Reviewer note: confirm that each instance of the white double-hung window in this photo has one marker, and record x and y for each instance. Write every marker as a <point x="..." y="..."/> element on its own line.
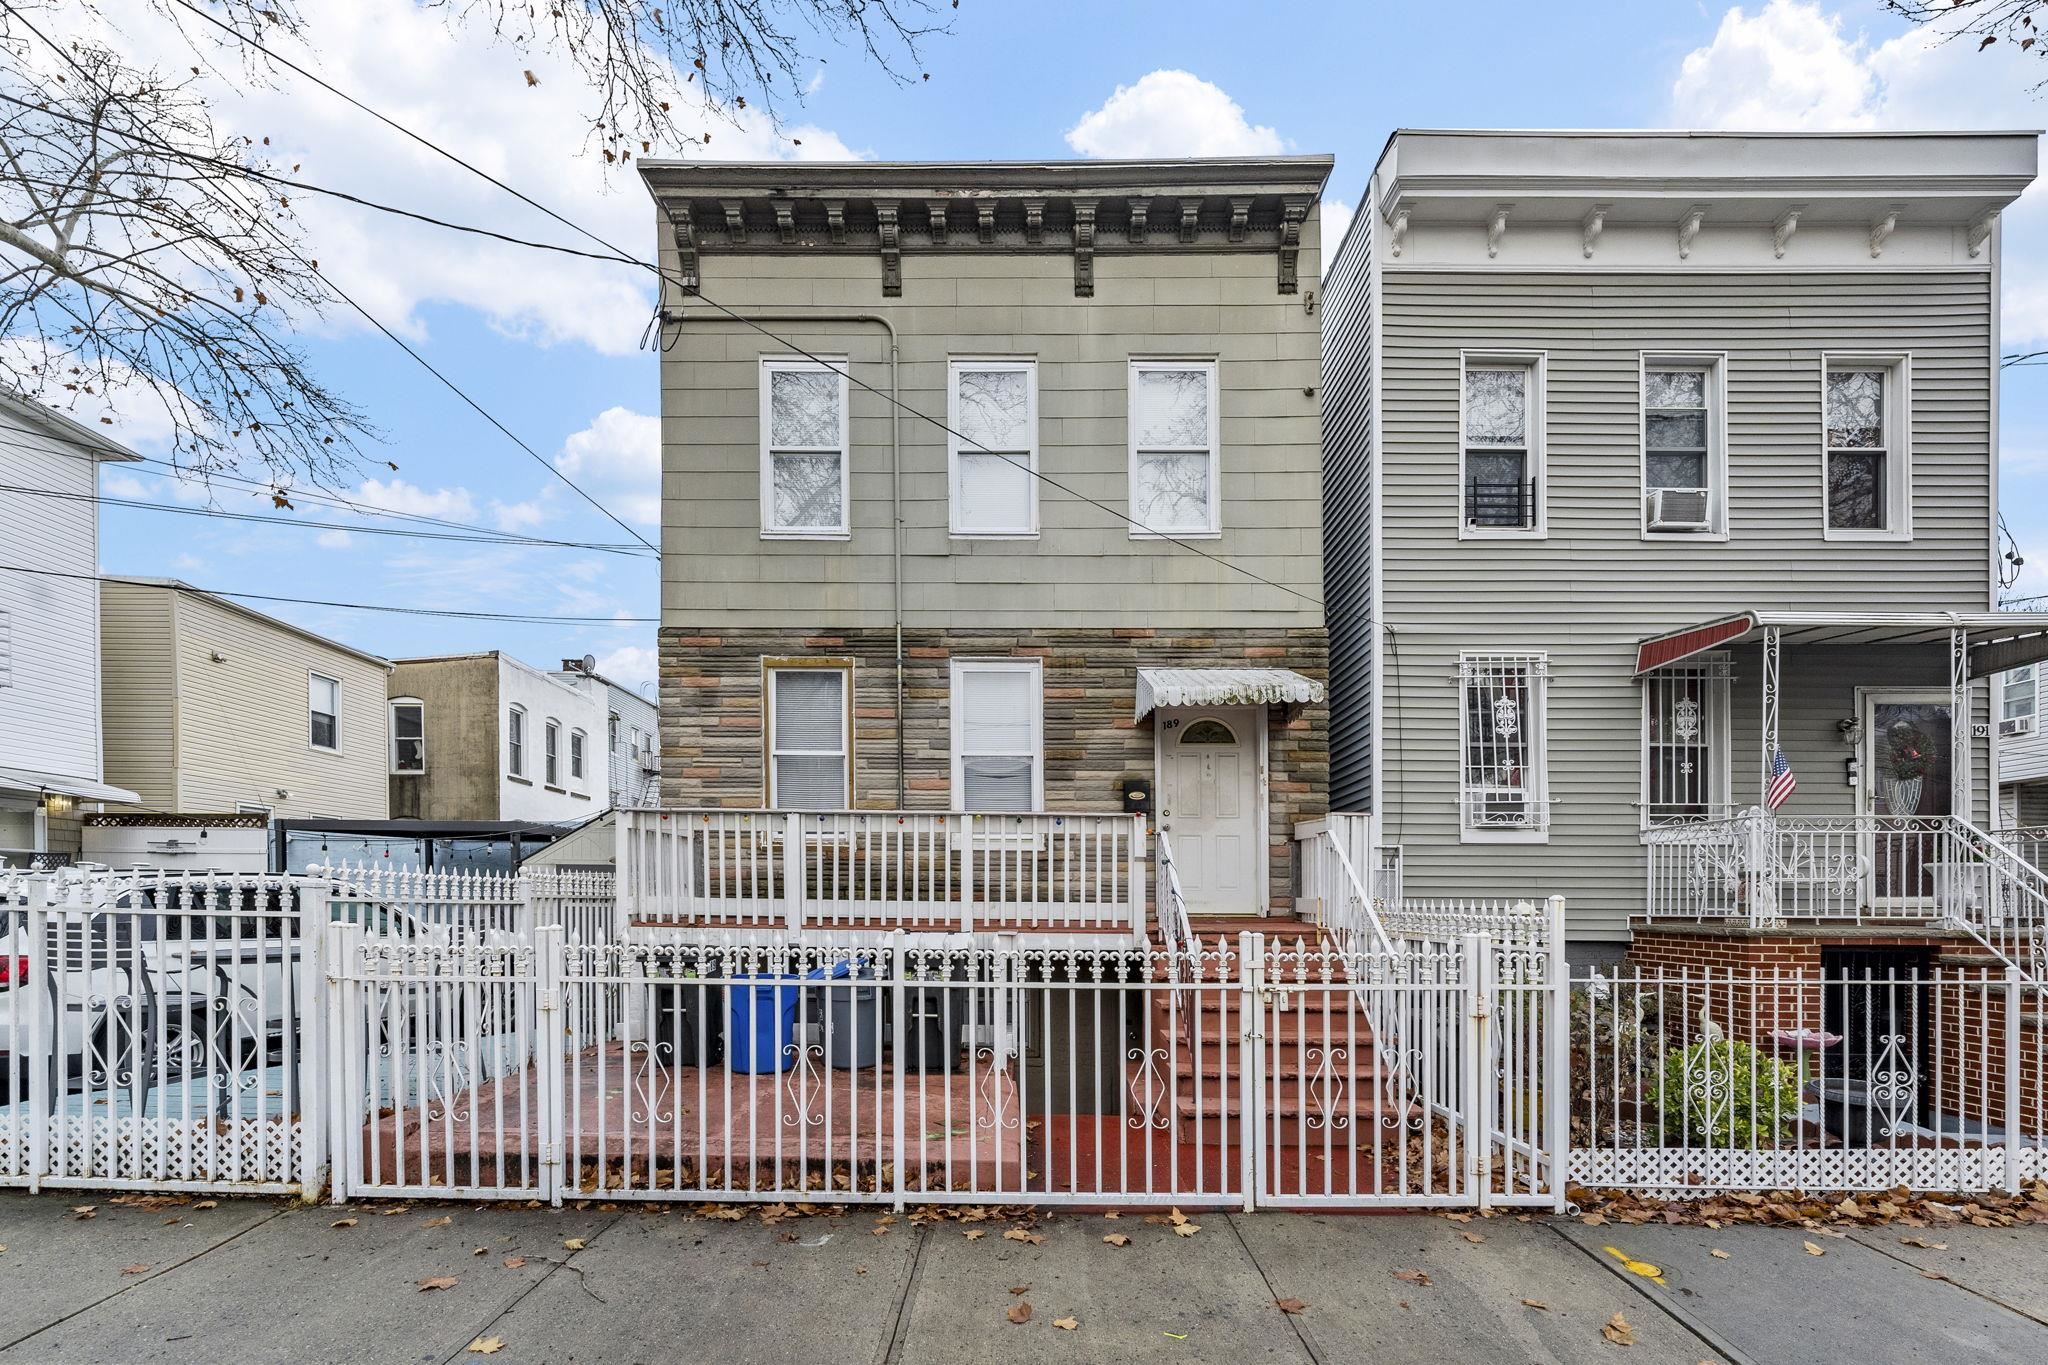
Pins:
<point x="1503" y="790"/>
<point x="810" y="736"/>
<point x="408" y="735"/>
<point x="1684" y="460"/>
<point x="805" y="484"/>
<point x="323" y="707"/>
<point x="2019" y="701"/>
<point x="1176" y="466"/>
<point x="1866" y="411"/>
<point x="998" y="735"/>
<point x="992" y="410"/>
<point x="1500" y="451"/>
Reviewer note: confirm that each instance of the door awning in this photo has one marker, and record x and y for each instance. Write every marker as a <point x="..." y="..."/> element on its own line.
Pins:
<point x="1998" y="640"/>
<point x="1159" y="687"/>
<point x="84" y="788"/>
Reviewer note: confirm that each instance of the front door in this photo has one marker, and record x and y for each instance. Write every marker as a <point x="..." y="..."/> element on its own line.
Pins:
<point x="1209" y="807"/>
<point x="1908" y="759"/>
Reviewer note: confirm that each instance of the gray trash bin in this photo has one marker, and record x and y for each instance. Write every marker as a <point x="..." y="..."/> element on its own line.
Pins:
<point x="852" y="1016"/>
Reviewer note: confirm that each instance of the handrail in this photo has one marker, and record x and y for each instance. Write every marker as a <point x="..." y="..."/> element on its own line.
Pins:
<point x="1174" y="919"/>
<point x="1360" y="895"/>
<point x="2022" y="922"/>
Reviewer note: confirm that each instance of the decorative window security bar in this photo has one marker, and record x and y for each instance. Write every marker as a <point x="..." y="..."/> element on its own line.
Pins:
<point x="1503" y="784"/>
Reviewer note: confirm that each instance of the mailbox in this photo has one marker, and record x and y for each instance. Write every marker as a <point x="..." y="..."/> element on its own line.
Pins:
<point x="1137" y="794"/>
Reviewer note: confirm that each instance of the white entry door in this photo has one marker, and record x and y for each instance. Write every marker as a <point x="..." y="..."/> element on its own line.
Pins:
<point x="1209" y="806"/>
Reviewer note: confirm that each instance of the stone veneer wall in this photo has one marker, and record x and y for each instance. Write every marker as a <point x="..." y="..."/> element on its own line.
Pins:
<point x="711" y="718"/>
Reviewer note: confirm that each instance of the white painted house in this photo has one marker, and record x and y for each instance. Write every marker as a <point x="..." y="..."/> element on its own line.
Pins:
<point x="50" y="732"/>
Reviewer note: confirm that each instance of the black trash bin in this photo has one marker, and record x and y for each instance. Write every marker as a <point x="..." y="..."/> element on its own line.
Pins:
<point x="934" y="1017"/>
<point x="690" y="1017"/>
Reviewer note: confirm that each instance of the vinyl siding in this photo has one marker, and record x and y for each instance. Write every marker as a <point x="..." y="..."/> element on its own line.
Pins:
<point x="2024" y="759"/>
<point x="49" y="626"/>
<point x="1594" y="587"/>
<point x="138" y="691"/>
<point x="1348" y="394"/>
<point x="1084" y="569"/>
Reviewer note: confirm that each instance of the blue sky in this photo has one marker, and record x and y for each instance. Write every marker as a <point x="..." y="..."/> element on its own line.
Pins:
<point x="549" y="345"/>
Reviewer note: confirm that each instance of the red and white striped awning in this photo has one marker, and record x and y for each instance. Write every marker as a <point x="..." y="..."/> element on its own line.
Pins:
<point x="1998" y="640"/>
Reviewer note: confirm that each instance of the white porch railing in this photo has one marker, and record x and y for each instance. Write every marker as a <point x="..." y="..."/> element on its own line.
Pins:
<point x="1176" y="923"/>
<point x="1335" y="885"/>
<point x="881" y="870"/>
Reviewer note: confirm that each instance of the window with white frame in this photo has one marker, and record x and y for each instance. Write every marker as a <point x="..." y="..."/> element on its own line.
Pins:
<point x="408" y="735"/>
<point x="998" y="735"/>
<point x="1176" y="466"/>
<point x="577" y="741"/>
<point x="1683" y="460"/>
<point x="1685" y="741"/>
<point x="1502" y="785"/>
<point x="804" y="477"/>
<point x="993" y="414"/>
<point x="551" y="752"/>
<point x="323" y="704"/>
<point x="515" y="741"/>
<point x="1500" y="453"/>
<point x="810" y="736"/>
<point x="611" y="733"/>
<point x="1868" y="465"/>
<point x="2019" y="699"/>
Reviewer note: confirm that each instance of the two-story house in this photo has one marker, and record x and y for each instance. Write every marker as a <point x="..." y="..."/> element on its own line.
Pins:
<point x="632" y="734"/>
<point x="1661" y="486"/>
<point x="222" y="719"/>
<point x="2022" y="756"/>
<point x="50" y="760"/>
<point x="991" y="495"/>
<point x="485" y="737"/>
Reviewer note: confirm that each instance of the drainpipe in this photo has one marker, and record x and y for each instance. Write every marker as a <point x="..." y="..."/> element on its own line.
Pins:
<point x="895" y="486"/>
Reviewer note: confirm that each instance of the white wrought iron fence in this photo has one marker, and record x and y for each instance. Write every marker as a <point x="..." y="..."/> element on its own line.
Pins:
<point x="1731" y="1079"/>
<point x="707" y="869"/>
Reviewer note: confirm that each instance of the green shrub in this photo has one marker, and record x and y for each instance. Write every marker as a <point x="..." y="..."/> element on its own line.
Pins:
<point x="1725" y="1093"/>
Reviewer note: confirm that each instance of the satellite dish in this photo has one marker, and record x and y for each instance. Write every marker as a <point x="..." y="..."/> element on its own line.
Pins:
<point x="590" y="663"/>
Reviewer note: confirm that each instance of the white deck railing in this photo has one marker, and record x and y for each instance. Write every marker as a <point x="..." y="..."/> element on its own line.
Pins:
<point x="881" y="870"/>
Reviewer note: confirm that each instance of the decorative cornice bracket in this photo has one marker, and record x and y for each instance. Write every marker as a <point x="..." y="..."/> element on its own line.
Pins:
<point x="1141" y="209"/>
<point x="835" y="219"/>
<point x="1689" y="229"/>
<point x="1497" y="228"/>
<point x="1782" y="230"/>
<point x="685" y="229"/>
<point x="1591" y="226"/>
<point x="1293" y="213"/>
<point x="735" y="220"/>
<point x="785" y="220"/>
<point x="985" y="221"/>
<point x="1034" y="221"/>
<point x="892" y="250"/>
<point x="1882" y="229"/>
<point x="1084" y="248"/>
<point x="936" y="211"/>
<point x="1190" y="211"/>
<point x="1240" y="217"/>
<point x="1980" y="232"/>
<point x="1397" y="227"/>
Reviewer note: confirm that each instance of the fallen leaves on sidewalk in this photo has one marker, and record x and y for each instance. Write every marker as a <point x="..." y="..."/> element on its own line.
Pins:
<point x="574" y="1244"/>
<point x="137" y="1269"/>
<point x="486" y="1346"/>
<point x="1066" y="1324"/>
<point x="443" y="1221"/>
<point x="974" y="1234"/>
<point x="1420" y="1277"/>
<point x="1718" y="1254"/>
<point x="1780" y="1208"/>
<point x="84" y="1211"/>
<point x="1813" y="1249"/>
<point x="1020" y="1313"/>
<point x="1536" y="1304"/>
<point x="515" y="1262"/>
<point x="1923" y="1244"/>
<point x="343" y="1223"/>
<point x="1020" y="1289"/>
<point x="1475" y="1238"/>
<point x="1617" y="1330"/>
<point x="433" y="1282"/>
<point x="1117" y="1239"/>
<point x="1183" y="1226"/>
<point x="1293" y="1306"/>
<point x="1023" y="1235"/>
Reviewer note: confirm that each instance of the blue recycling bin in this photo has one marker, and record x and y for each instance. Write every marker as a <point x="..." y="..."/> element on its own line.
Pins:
<point x="760" y="1030"/>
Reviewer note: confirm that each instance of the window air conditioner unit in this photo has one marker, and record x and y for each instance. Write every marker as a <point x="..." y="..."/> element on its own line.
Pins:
<point x="1680" y="509"/>
<point x="2016" y="726"/>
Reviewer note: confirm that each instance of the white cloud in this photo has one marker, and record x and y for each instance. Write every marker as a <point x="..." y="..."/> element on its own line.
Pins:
<point x="334" y="540"/>
<point x="617" y="460"/>
<point x="518" y="516"/>
<point x="1337" y="216"/>
<point x="468" y="95"/>
<point x="120" y="485"/>
<point x="396" y="495"/>
<point x="630" y="665"/>
<point x="1171" y="113"/>
<point x="189" y="563"/>
<point x="1793" y="64"/>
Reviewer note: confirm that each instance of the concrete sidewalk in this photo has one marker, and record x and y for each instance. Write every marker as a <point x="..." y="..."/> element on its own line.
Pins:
<point x="257" y="1281"/>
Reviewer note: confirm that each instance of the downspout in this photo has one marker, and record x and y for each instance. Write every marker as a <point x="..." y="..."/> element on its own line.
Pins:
<point x="895" y="489"/>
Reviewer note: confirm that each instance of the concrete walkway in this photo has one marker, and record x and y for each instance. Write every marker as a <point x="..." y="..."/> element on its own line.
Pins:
<point x="257" y="1281"/>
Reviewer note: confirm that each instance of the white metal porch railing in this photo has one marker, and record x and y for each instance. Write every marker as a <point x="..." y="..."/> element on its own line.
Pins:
<point x="706" y="869"/>
<point x="1176" y="922"/>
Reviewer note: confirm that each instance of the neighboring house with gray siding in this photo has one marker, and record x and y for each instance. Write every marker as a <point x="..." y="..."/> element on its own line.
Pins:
<point x="632" y="737"/>
<point x="1085" y="553"/>
<point x="50" y="751"/>
<point x="2022" y="752"/>
<point x="1651" y="457"/>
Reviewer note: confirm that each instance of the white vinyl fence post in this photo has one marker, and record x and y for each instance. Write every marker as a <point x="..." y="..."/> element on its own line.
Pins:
<point x="45" y="977"/>
<point x="1251" y="1021"/>
<point x="346" y="1108"/>
<point x="311" y="1000"/>
<point x="2013" y="1076"/>
<point x="548" y="1025"/>
<point x="899" y="968"/>
<point x="793" y="871"/>
<point x="1557" y="1059"/>
<point x="1479" y="979"/>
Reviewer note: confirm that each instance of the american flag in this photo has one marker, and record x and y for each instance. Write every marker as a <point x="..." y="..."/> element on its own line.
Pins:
<point x="1783" y="783"/>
